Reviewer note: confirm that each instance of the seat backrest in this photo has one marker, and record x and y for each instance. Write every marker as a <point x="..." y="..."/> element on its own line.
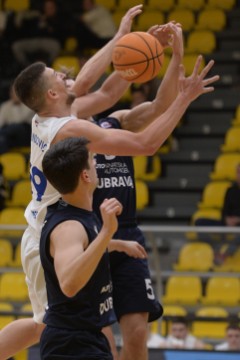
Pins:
<point x="13" y="287"/>
<point x="211" y="19"/>
<point x="207" y="213"/>
<point x="231" y="142"/>
<point x="6" y="252"/>
<point x="165" y="5"/>
<point x="14" y="166"/>
<point x="6" y="319"/>
<point x="213" y="194"/>
<point x="189" y="61"/>
<point x="191" y="257"/>
<point x="142" y="194"/>
<point x="12" y="216"/>
<point x="146" y="20"/>
<point x="201" y="41"/>
<point x="126" y="4"/>
<point x="225" y="167"/>
<point x="222" y="4"/>
<point x="193" y="5"/>
<point x="223" y="290"/>
<point x="184" y="289"/>
<point x="183" y="16"/>
<point x="210" y="329"/>
<point x="21" y="194"/>
<point x="109" y="4"/>
<point x="18" y="5"/>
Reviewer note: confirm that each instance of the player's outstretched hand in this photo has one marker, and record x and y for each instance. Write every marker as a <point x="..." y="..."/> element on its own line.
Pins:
<point x="126" y="22"/>
<point x="197" y="83"/>
<point x="134" y="249"/>
<point x="169" y="35"/>
<point x="110" y="209"/>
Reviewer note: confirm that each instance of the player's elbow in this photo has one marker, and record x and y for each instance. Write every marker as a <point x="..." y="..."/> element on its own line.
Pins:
<point x="149" y="149"/>
<point x="70" y="289"/>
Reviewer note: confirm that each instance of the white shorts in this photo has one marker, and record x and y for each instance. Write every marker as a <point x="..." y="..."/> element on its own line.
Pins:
<point x="34" y="273"/>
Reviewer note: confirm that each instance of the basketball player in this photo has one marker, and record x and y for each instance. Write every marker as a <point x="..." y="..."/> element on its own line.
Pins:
<point x="75" y="261"/>
<point x="46" y="92"/>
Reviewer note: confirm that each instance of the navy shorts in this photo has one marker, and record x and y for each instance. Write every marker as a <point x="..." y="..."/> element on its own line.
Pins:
<point x="132" y="286"/>
<point x="56" y="344"/>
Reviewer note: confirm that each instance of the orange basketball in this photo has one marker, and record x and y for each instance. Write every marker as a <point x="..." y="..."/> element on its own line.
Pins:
<point x="138" y="57"/>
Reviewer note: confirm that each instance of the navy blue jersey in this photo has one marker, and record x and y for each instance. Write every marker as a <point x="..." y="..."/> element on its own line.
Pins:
<point x="91" y="308"/>
<point x="116" y="179"/>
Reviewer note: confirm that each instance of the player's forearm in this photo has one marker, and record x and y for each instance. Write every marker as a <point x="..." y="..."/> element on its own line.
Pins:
<point x="83" y="267"/>
<point x="113" y="88"/>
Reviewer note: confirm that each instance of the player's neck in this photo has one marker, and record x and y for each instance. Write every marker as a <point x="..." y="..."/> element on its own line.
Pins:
<point x="55" y="111"/>
<point x="79" y="199"/>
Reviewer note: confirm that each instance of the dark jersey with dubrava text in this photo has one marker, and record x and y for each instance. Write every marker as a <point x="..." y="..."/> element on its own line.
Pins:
<point x="116" y="176"/>
<point x="92" y="307"/>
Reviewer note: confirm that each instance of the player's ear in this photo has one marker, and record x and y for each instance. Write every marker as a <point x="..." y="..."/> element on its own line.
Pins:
<point x="52" y="93"/>
<point x="85" y="176"/>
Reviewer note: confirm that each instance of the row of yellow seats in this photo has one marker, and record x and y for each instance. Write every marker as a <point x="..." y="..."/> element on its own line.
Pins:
<point x="188" y="290"/>
<point x="201" y="329"/>
<point x="210" y="19"/>
<point x="15" y="166"/>
<point x="10" y="255"/>
<point x="168" y="5"/>
<point x="13" y="287"/>
<point x="223" y="174"/>
<point x="191" y="257"/>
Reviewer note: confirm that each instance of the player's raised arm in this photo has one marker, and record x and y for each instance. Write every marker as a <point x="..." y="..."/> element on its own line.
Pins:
<point x="146" y="142"/>
<point x="96" y="66"/>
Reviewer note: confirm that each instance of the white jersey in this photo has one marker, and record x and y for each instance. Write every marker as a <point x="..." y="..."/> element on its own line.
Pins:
<point x="43" y="193"/>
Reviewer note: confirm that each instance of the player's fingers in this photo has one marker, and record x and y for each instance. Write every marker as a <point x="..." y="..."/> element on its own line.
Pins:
<point x="143" y="251"/>
<point x="206" y="69"/>
<point x="197" y="66"/>
<point x="135" y="10"/>
<point x="210" y="80"/>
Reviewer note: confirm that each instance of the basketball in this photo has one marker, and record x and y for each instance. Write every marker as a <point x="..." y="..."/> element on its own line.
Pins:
<point x="138" y="57"/>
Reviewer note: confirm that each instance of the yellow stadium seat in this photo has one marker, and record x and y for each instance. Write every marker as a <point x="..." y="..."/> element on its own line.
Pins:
<point x="16" y="261"/>
<point x="21" y="194"/>
<point x="164" y="67"/>
<point x="211" y="19"/>
<point x="184" y="16"/>
<point x="213" y="194"/>
<point x="18" y="5"/>
<point x="165" y="5"/>
<point x="6" y="252"/>
<point x="6" y="319"/>
<point x="210" y="329"/>
<point x="117" y="16"/>
<point x="225" y="167"/>
<point x="14" y="166"/>
<point x="148" y="19"/>
<point x="126" y="4"/>
<point x="108" y="4"/>
<point x="13" y="287"/>
<point x="201" y="42"/>
<point x="12" y="216"/>
<point x="236" y="120"/>
<point x="68" y="62"/>
<point x="70" y="45"/>
<point x="208" y="213"/>
<point x="195" y="257"/>
<point x="171" y="310"/>
<point x="141" y="165"/>
<point x="222" y="291"/>
<point x="232" y="142"/>
<point x="195" y="5"/>
<point x="183" y="290"/>
<point x="142" y="194"/>
<point x="26" y="310"/>
<point x="189" y="61"/>
<point x="222" y="4"/>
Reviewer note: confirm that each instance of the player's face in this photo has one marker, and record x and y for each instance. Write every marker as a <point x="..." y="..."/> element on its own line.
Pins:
<point x="58" y="82"/>
<point x="92" y="170"/>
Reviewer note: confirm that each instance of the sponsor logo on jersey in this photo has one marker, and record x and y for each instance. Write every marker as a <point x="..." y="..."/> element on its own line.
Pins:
<point x="106" y="305"/>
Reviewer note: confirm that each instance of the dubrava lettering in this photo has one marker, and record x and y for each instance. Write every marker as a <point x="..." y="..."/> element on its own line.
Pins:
<point x="40" y="143"/>
<point x="106" y="305"/>
<point x="121" y="181"/>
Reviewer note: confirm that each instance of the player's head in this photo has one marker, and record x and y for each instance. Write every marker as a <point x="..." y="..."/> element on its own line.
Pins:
<point x="38" y="86"/>
<point x="66" y="162"/>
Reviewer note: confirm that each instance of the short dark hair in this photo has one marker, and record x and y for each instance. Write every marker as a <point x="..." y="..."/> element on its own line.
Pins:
<point x="180" y="320"/>
<point x="64" y="161"/>
<point x="30" y="86"/>
<point x="233" y="326"/>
